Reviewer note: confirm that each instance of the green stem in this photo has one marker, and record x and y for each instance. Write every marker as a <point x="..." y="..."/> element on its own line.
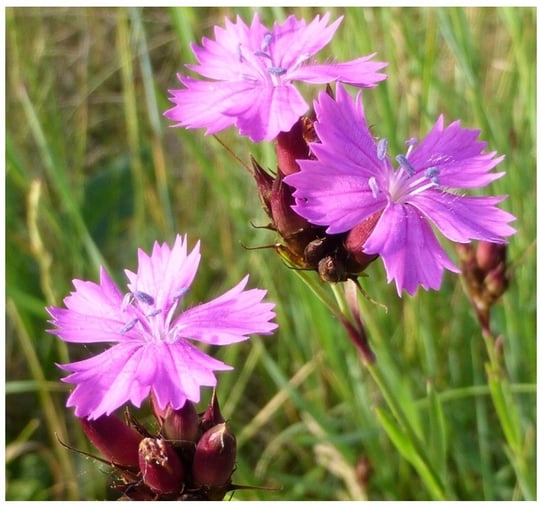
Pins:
<point x="434" y="482"/>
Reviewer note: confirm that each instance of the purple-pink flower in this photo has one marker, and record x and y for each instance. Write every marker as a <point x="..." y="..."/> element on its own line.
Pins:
<point x="152" y="337"/>
<point x="353" y="179"/>
<point x="250" y="71"/>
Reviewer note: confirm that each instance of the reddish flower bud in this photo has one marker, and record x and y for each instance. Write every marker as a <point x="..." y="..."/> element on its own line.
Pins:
<point x="293" y="145"/>
<point x="212" y="415"/>
<point x="214" y="458"/>
<point x="180" y="425"/>
<point x="486" y="277"/>
<point x="490" y="255"/>
<point x="117" y="442"/>
<point x="161" y="468"/>
<point x="357" y="237"/>
<point x="495" y="283"/>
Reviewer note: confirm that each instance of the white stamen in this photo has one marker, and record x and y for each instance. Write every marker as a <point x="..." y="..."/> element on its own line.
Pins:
<point x="373" y="184"/>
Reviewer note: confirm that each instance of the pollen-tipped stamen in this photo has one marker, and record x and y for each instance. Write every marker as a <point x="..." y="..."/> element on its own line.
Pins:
<point x="403" y="162"/>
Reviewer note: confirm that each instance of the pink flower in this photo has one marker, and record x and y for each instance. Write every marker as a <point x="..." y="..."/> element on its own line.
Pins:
<point x="152" y="337"/>
<point x="251" y="71"/>
<point x="354" y="180"/>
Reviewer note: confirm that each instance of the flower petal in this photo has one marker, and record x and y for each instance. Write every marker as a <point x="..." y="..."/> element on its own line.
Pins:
<point x="182" y="370"/>
<point x="93" y="313"/>
<point x="229" y="318"/>
<point x="462" y="218"/>
<point x="410" y="252"/>
<point x="167" y="273"/>
<point x="268" y="111"/>
<point x="457" y="154"/>
<point x="360" y="72"/>
<point x="108" y="380"/>
<point x="202" y="103"/>
<point x="293" y="41"/>
<point x="334" y="189"/>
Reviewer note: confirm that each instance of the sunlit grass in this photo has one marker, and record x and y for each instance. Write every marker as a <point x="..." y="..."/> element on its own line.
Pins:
<point x="94" y="171"/>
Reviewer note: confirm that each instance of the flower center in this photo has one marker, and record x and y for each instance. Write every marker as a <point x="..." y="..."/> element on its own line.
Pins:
<point x="406" y="181"/>
<point x="144" y="314"/>
<point x="261" y="62"/>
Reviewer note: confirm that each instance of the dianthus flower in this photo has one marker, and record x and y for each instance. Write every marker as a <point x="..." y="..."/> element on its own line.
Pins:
<point x="152" y="350"/>
<point x="251" y="71"/>
<point x="353" y="181"/>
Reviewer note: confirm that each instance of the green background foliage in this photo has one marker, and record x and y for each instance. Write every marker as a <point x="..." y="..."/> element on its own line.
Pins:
<point x="94" y="172"/>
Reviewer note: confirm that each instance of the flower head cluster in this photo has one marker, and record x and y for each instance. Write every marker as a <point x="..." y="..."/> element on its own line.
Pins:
<point x="250" y="72"/>
<point x="353" y="181"/>
<point x="153" y="352"/>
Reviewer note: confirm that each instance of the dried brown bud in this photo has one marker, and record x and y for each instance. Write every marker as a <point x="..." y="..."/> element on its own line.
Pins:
<point x="117" y="442"/>
<point x="161" y="467"/>
<point x="214" y="458"/>
<point x="330" y="270"/>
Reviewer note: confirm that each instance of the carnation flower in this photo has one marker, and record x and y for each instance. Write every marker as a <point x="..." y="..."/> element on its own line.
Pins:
<point x="251" y="70"/>
<point x="152" y="338"/>
<point x="353" y="180"/>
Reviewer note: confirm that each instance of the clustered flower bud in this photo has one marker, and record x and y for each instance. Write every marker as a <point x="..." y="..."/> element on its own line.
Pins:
<point x="335" y="257"/>
<point x="485" y="272"/>
<point x="486" y="276"/>
<point x="192" y="457"/>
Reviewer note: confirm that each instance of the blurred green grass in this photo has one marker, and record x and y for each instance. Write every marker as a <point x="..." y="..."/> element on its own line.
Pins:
<point x="93" y="172"/>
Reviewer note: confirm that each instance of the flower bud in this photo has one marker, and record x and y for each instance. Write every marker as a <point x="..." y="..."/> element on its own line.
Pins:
<point x="180" y="425"/>
<point x="495" y="283"/>
<point x="117" y="442"/>
<point x="212" y="415"/>
<point x="357" y="237"/>
<point x="214" y="458"/>
<point x="490" y="255"/>
<point x="293" y="145"/>
<point x="161" y="468"/>
<point x="485" y="272"/>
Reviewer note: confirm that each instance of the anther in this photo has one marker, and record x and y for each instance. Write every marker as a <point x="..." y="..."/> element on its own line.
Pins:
<point x="262" y="53"/>
<point x="382" y="148"/>
<point x="266" y="40"/>
<point x="128" y="326"/>
<point x="143" y="297"/>
<point x="277" y="71"/>
<point x="432" y="173"/>
<point x="403" y="162"/>
<point x="154" y="312"/>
